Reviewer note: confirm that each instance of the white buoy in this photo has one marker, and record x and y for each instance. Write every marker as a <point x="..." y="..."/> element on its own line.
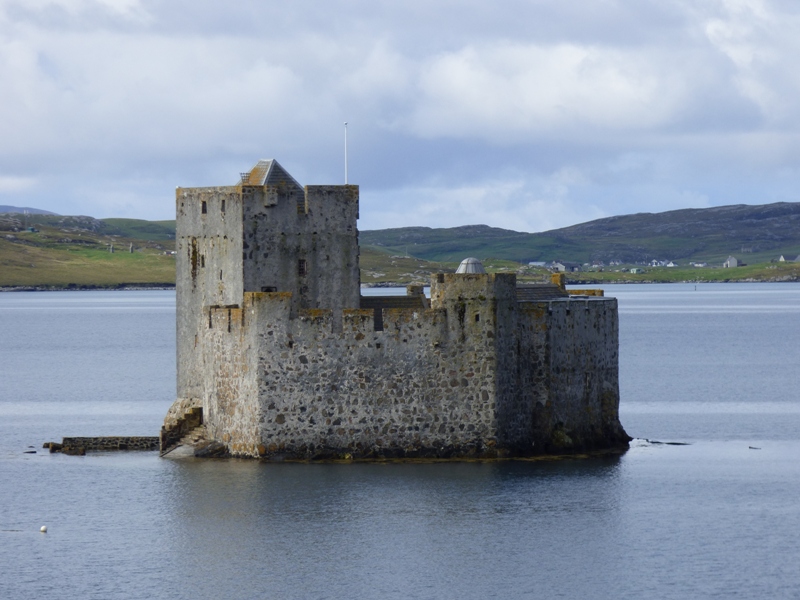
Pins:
<point x="43" y="529"/>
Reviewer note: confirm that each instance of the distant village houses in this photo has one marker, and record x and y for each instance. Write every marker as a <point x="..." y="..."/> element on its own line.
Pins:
<point x="658" y="263"/>
<point x="789" y="258"/>
<point x="662" y="263"/>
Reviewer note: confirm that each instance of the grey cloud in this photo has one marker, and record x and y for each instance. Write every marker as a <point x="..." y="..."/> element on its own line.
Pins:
<point x="567" y="111"/>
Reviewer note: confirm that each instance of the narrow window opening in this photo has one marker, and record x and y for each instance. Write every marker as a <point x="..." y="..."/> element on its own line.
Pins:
<point x="268" y="288"/>
<point x="223" y="206"/>
<point x="229" y="320"/>
<point x="302" y="268"/>
<point x="220" y="274"/>
<point x="477" y="318"/>
<point x="202" y="260"/>
<point x="378" y="317"/>
<point x="210" y="320"/>
<point x="204" y="207"/>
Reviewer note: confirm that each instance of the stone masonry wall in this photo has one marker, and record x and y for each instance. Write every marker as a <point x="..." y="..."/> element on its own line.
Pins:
<point x="574" y="389"/>
<point x="411" y="389"/>
<point x="482" y="310"/>
<point x="479" y="375"/>
<point x="230" y="359"/>
<point x="208" y="271"/>
<point x="315" y="226"/>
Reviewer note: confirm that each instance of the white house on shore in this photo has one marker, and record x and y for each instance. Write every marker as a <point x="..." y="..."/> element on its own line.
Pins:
<point x="730" y="263"/>
<point x="565" y="267"/>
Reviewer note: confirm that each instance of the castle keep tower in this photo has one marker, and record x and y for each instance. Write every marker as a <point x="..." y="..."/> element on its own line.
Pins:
<point x="280" y="356"/>
<point x="266" y="234"/>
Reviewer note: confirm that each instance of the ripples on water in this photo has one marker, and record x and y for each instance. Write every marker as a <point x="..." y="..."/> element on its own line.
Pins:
<point x="711" y="519"/>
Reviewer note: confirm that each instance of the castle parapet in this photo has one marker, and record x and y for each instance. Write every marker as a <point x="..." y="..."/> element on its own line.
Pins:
<point x="447" y="288"/>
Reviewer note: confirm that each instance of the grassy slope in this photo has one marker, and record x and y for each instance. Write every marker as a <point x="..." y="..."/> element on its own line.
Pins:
<point x="381" y="267"/>
<point x="77" y="252"/>
<point x="455" y="244"/>
<point x="141" y="230"/>
<point x="60" y="267"/>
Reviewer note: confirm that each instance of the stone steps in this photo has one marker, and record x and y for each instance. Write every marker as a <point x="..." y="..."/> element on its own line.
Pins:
<point x="196" y="443"/>
<point x="195" y="437"/>
<point x="186" y="425"/>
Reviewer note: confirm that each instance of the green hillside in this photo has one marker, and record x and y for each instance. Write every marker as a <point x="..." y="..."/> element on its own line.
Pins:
<point x="74" y="251"/>
<point x="759" y="233"/>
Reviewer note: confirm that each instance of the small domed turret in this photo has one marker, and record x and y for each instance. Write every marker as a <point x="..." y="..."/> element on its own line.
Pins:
<point x="470" y="265"/>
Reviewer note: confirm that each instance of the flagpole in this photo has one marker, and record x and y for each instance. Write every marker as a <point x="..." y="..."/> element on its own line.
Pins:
<point x="345" y="152"/>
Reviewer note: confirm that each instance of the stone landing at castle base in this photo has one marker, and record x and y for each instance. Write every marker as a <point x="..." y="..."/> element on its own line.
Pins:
<point x="79" y="446"/>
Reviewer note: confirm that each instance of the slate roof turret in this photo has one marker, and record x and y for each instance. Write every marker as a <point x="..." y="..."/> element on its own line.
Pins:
<point x="268" y="172"/>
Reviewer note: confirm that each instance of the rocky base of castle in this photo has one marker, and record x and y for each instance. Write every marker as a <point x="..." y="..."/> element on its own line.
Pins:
<point x="561" y="443"/>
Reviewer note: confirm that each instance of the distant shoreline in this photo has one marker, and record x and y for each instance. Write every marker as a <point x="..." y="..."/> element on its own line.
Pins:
<point x="786" y="279"/>
<point x="597" y="282"/>
<point x="381" y="284"/>
<point x="88" y="287"/>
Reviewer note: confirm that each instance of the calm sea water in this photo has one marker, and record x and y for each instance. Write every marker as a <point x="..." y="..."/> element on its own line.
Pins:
<point x="713" y="367"/>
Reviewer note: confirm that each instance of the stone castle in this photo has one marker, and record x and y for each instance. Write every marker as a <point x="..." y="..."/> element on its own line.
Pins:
<point x="280" y="356"/>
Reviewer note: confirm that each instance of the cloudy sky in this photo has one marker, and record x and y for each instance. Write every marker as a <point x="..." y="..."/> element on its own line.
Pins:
<point x="522" y="114"/>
